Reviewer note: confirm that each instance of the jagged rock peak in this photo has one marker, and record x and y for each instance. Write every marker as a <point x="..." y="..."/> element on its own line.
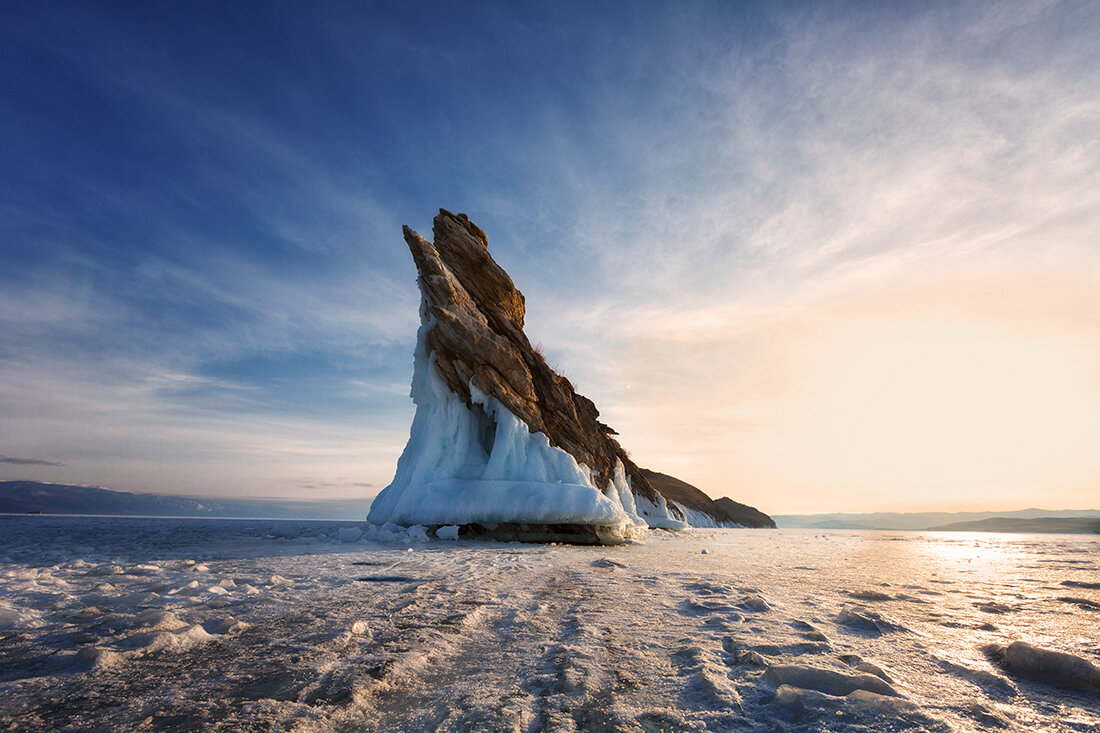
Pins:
<point x="475" y="331"/>
<point x="501" y="445"/>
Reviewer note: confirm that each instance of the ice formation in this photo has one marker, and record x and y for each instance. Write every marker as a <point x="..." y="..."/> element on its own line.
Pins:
<point x="500" y="443"/>
<point x="1053" y="666"/>
<point x="480" y="464"/>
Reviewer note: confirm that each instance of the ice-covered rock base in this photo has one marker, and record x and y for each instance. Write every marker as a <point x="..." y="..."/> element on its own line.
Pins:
<point x="480" y="467"/>
<point x="501" y="444"/>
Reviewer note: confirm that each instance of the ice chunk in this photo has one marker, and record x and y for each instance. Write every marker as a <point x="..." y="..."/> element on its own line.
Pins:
<point x="157" y="619"/>
<point x="349" y="534"/>
<point x="826" y="680"/>
<point x="1047" y="665"/>
<point x="754" y="603"/>
<point x="15" y="618"/>
<point x="871" y="595"/>
<point x="993" y="607"/>
<point x="99" y="657"/>
<point x="877" y="671"/>
<point x="191" y="589"/>
<point x="885" y="704"/>
<point x="803" y="700"/>
<point x="176" y="641"/>
<point x="85" y="614"/>
<point x="108" y="569"/>
<point x="1084" y="603"/>
<point x="867" y="621"/>
<point x="225" y="626"/>
<point x="742" y="656"/>
<point x="449" y="532"/>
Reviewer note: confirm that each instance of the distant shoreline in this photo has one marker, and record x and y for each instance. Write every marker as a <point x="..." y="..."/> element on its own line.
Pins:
<point x="1016" y="525"/>
<point x="998" y="521"/>
<point x="90" y="515"/>
<point x="28" y="497"/>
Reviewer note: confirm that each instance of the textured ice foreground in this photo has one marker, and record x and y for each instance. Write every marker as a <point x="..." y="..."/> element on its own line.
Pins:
<point x="123" y="624"/>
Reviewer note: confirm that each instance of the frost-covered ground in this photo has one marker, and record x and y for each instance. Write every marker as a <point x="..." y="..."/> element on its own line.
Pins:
<point x="147" y="624"/>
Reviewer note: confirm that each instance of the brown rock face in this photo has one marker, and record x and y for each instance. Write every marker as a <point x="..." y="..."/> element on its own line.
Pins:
<point x="474" y="316"/>
<point x="743" y="514"/>
<point x="690" y="497"/>
<point x="477" y="338"/>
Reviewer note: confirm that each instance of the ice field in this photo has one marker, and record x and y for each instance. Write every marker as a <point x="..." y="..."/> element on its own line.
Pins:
<point x="167" y="624"/>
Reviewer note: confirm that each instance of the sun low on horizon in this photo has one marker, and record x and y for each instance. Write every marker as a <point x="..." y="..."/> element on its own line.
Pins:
<point x="815" y="259"/>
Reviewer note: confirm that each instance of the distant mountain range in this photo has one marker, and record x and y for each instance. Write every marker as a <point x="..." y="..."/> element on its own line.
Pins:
<point x="963" y="521"/>
<point x="1039" y="525"/>
<point x="33" y="497"/>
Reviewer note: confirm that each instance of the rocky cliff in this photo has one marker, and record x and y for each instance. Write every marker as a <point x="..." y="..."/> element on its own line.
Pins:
<point x="691" y="499"/>
<point x="477" y="339"/>
<point x="743" y="514"/>
<point x="500" y="438"/>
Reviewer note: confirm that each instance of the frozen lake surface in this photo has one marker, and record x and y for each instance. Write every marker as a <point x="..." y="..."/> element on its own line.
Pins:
<point x="167" y="624"/>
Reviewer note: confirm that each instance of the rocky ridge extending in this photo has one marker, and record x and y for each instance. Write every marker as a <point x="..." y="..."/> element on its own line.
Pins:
<point x="473" y="318"/>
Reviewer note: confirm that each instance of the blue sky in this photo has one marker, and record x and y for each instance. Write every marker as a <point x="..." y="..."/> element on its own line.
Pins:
<point x="205" y="288"/>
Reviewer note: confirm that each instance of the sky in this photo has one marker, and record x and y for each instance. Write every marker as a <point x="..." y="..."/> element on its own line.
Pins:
<point x="812" y="256"/>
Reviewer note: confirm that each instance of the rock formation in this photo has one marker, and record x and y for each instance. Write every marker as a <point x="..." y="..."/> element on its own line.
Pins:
<point x="691" y="498"/>
<point x="501" y="444"/>
<point x="743" y="514"/>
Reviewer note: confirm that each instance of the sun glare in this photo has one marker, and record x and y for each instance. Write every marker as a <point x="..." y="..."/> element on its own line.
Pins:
<point x="942" y="407"/>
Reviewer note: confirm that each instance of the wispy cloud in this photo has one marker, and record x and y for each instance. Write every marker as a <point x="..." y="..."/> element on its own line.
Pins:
<point x="207" y="284"/>
<point x="116" y="426"/>
<point x="941" y="159"/>
<point x="834" y="154"/>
